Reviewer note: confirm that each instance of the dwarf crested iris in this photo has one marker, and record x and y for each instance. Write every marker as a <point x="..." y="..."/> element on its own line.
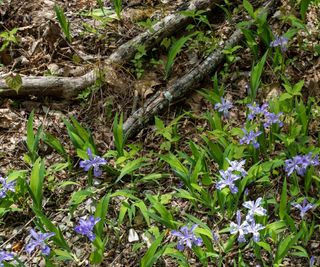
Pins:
<point x="239" y="227"/>
<point x="237" y="166"/>
<point x="300" y="163"/>
<point x="281" y="42"/>
<point x="250" y="138"/>
<point x="38" y="241"/>
<point x="85" y="227"/>
<point x="254" y="228"/>
<point x="312" y="261"/>
<point x="6" y="186"/>
<point x="256" y="110"/>
<point x="224" y="107"/>
<point x="5" y="256"/>
<point x="186" y="237"/>
<point x="272" y="118"/>
<point x="228" y="179"/>
<point x="254" y="209"/>
<point x="94" y="162"/>
<point x="304" y="207"/>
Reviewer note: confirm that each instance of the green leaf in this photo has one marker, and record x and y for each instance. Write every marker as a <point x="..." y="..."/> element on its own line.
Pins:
<point x="304" y="4"/>
<point x="64" y="23"/>
<point x="82" y="132"/>
<point x="166" y="216"/>
<point x="297" y="88"/>
<point x="265" y="245"/>
<point x="283" y="200"/>
<point x="119" y="138"/>
<point x="54" y="143"/>
<point x="144" y="211"/>
<point x="79" y="196"/>
<point x="36" y="182"/>
<point x="285" y="245"/>
<point x="255" y="78"/>
<point x="14" y="81"/>
<point x="151" y="256"/>
<point x="101" y="212"/>
<point x="63" y="255"/>
<point x="130" y="167"/>
<point x="249" y="8"/>
<point x="30" y="134"/>
<point x="118" y="7"/>
<point x="176" y="165"/>
<point x="173" y="52"/>
<point x="284" y="96"/>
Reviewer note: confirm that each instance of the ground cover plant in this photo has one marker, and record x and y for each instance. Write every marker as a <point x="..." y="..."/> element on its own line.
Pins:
<point x="229" y="178"/>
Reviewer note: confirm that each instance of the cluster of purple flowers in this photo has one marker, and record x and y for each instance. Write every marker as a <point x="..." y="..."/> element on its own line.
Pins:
<point x="249" y="226"/>
<point x="94" y="162"/>
<point x="281" y="42"/>
<point x="186" y="237"/>
<point x="234" y="172"/>
<point x="300" y="163"/>
<point x="85" y="227"/>
<point x="250" y="138"/>
<point x="5" y="256"/>
<point x="269" y="118"/>
<point x="304" y="207"/>
<point x="6" y="186"/>
<point x="224" y="107"/>
<point x="38" y="241"/>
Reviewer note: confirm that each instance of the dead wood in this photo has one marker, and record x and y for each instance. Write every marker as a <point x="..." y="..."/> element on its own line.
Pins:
<point x="161" y="100"/>
<point x="68" y="87"/>
<point x="187" y="83"/>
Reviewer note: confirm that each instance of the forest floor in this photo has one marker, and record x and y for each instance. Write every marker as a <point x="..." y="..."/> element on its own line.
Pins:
<point x="40" y="48"/>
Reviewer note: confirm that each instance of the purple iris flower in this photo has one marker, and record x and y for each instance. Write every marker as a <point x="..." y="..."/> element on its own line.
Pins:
<point x="85" y="227"/>
<point x="37" y="241"/>
<point x="5" y="256"/>
<point x="292" y="165"/>
<point x="215" y="236"/>
<point x="256" y="110"/>
<point x="300" y="163"/>
<point x="240" y="228"/>
<point x="250" y="137"/>
<point x="224" y="107"/>
<point x="304" y="207"/>
<point x="254" y="228"/>
<point x="246" y="192"/>
<point x="281" y="42"/>
<point x="187" y="237"/>
<point x="228" y="179"/>
<point x="93" y="161"/>
<point x="237" y="166"/>
<point x="254" y="209"/>
<point x="312" y="261"/>
<point x="6" y="186"/>
<point x="271" y="118"/>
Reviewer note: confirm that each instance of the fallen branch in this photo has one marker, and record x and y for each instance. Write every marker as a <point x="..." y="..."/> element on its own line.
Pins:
<point x="162" y="100"/>
<point x="68" y="87"/>
<point x="187" y="83"/>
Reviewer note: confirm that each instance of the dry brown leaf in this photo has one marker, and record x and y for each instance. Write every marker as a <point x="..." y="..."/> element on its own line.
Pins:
<point x="9" y="119"/>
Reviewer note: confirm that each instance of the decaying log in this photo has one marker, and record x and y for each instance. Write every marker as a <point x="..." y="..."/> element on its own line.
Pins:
<point x="183" y="85"/>
<point x="68" y="87"/>
<point x="62" y="87"/>
<point x="161" y="100"/>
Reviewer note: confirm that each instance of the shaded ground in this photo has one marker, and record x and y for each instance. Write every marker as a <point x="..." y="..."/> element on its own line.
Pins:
<point x="41" y="50"/>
